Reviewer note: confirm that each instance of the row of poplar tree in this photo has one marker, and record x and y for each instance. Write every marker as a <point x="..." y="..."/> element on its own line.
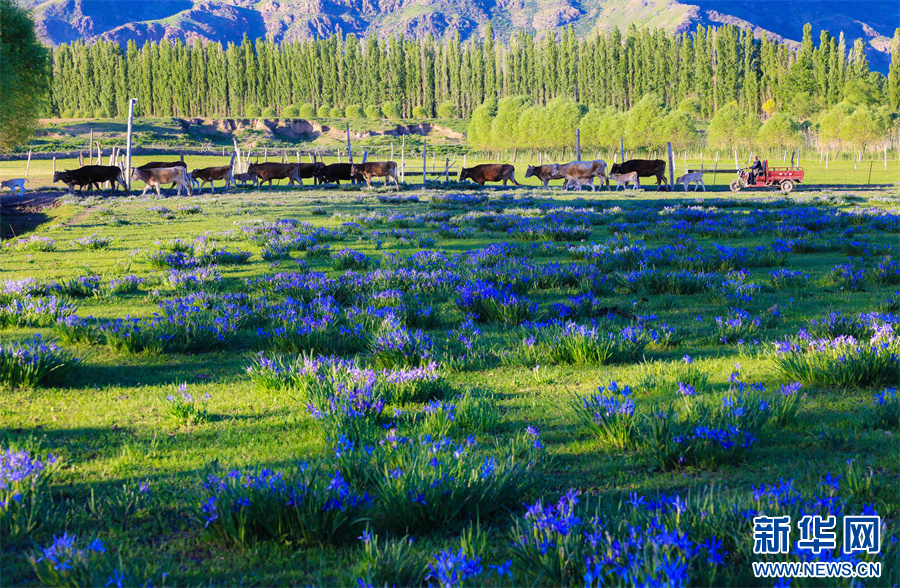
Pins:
<point x="407" y="78"/>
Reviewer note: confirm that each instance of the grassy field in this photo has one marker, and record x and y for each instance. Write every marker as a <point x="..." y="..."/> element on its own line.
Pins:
<point x="131" y="464"/>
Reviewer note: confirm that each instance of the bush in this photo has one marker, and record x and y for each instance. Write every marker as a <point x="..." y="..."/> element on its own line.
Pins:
<point x="324" y="111"/>
<point x="69" y="561"/>
<point x="269" y="112"/>
<point x="574" y="343"/>
<point x="420" y="113"/>
<point x="307" y="110"/>
<point x="374" y="112"/>
<point x="305" y="505"/>
<point x="353" y="111"/>
<point x="290" y="111"/>
<point x="391" y="110"/>
<point x="24" y="493"/>
<point x="428" y="484"/>
<point x="447" y="109"/>
<point x="336" y="112"/>
<point x="253" y="111"/>
<point x="842" y="362"/>
<point x="609" y="417"/>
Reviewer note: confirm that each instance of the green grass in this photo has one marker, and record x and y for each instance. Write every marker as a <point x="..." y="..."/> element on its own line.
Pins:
<point x="110" y="427"/>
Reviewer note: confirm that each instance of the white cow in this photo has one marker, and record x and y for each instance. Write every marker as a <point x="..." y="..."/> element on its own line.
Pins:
<point x="15" y="185"/>
<point x="695" y="178"/>
<point x="625" y="179"/>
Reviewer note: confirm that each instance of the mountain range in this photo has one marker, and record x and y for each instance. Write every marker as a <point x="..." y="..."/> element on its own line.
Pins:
<point x="284" y="20"/>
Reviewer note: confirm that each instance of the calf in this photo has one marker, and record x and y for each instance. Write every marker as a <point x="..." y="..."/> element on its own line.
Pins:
<point x="153" y="178"/>
<point x="578" y="173"/>
<point x="695" y="178"/>
<point x="625" y="179"/>
<point x="91" y="175"/>
<point x="244" y="179"/>
<point x="15" y="185"/>
<point x="337" y="172"/>
<point x="378" y="169"/>
<point x="644" y="168"/>
<point x="544" y="173"/>
<point x="267" y="172"/>
<point x="489" y="172"/>
<point x="209" y="174"/>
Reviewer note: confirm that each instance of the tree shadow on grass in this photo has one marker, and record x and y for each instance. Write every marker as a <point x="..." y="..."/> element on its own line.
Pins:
<point x="159" y="370"/>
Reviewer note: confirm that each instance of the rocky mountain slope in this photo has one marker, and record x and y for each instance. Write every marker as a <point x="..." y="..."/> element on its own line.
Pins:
<point x="227" y="21"/>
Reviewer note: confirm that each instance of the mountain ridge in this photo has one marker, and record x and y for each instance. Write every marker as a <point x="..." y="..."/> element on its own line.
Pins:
<point x="285" y="20"/>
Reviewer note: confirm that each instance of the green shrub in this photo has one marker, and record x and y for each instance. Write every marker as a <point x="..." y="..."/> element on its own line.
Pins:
<point x="354" y="111"/>
<point x="374" y="113"/>
<point x="307" y="110"/>
<point x="269" y="112"/>
<point x="324" y="111"/>
<point x="447" y="109"/>
<point x="391" y="110"/>
<point x="420" y="113"/>
<point x="253" y="111"/>
<point x="291" y="111"/>
<point x="336" y="112"/>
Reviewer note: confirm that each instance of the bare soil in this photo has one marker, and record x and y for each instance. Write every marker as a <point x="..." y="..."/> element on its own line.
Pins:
<point x="21" y="214"/>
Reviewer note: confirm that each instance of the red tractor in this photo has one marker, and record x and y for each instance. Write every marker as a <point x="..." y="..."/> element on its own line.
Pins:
<point x="782" y="177"/>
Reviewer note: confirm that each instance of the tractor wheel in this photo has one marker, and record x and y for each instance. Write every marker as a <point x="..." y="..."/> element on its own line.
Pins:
<point x="787" y="186"/>
<point x="735" y="185"/>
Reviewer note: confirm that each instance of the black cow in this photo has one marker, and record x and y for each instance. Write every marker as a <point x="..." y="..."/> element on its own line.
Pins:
<point x="91" y="175"/>
<point x="645" y="168"/>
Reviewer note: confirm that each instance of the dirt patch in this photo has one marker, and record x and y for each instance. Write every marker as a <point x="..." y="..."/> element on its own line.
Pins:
<point x="23" y="213"/>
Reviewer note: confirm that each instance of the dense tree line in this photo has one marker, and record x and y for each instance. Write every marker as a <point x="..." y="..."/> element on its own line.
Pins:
<point x="419" y="79"/>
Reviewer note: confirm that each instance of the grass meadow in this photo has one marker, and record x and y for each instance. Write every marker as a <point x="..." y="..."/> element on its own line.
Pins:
<point x="525" y="387"/>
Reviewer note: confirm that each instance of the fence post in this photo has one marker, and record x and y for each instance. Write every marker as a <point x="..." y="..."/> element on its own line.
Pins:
<point x="28" y="163"/>
<point x="91" y="147"/>
<point x="403" y="158"/>
<point x="54" y="166"/>
<point x="869" y="181"/>
<point x="424" y="161"/>
<point x="885" y="157"/>
<point x="826" y="161"/>
<point x="622" y="148"/>
<point x="265" y="155"/>
<point x="131" y="102"/>
<point x="447" y="171"/>
<point x="349" y="150"/>
<point x="671" y="167"/>
<point x="578" y="144"/>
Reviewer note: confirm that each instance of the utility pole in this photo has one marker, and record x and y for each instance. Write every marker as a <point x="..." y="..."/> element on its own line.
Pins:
<point x="131" y="103"/>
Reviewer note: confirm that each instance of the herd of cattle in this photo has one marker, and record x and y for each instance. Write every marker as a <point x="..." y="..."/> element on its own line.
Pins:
<point x="575" y="174"/>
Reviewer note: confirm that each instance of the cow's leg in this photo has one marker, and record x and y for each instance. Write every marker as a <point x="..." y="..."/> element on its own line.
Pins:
<point x="512" y="178"/>
<point x="157" y="191"/>
<point x="704" y="185"/>
<point x="393" y="176"/>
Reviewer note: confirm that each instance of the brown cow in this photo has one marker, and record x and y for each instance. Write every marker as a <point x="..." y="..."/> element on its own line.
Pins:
<point x="376" y="169"/>
<point x="91" y="175"/>
<point x="153" y="178"/>
<point x="544" y="173"/>
<point x="579" y="173"/>
<point x="645" y="168"/>
<point x="489" y="172"/>
<point x="208" y="174"/>
<point x="161" y="164"/>
<point x="336" y="172"/>
<point x="266" y="172"/>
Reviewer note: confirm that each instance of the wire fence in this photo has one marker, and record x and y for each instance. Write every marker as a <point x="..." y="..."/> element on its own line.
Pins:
<point x="444" y="164"/>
